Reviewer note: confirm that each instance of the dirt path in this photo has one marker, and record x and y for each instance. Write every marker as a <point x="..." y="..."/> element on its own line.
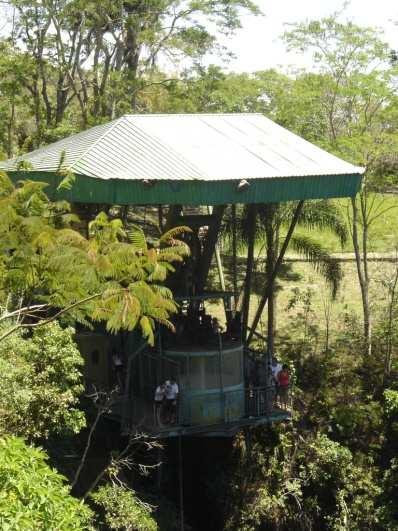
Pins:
<point x="350" y="257"/>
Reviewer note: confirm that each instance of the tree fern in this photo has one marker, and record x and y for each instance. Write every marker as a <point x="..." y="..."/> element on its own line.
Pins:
<point x="137" y="238"/>
<point x="170" y="237"/>
<point x="114" y="276"/>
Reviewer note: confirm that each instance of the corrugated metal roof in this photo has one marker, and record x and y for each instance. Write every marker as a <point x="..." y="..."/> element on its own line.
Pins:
<point x="204" y="147"/>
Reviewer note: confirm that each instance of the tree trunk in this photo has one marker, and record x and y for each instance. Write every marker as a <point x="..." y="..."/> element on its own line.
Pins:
<point x="275" y="271"/>
<point x="271" y="241"/>
<point x="252" y="214"/>
<point x="10" y="128"/>
<point x="361" y="263"/>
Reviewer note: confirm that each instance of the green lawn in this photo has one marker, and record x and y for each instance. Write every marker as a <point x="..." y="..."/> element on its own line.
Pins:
<point x="383" y="233"/>
<point x="301" y="276"/>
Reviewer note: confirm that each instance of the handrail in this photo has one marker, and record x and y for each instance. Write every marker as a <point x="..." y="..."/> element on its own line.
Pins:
<point x="204" y="408"/>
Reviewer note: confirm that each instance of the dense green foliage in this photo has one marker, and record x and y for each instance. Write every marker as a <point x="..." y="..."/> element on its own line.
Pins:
<point x="309" y="484"/>
<point x="46" y="265"/>
<point x="34" y="497"/>
<point x="50" y="273"/>
<point x="41" y="383"/>
<point x="123" y="510"/>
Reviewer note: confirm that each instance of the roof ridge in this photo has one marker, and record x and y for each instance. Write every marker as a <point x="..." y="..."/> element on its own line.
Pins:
<point x="145" y="115"/>
<point x="101" y="137"/>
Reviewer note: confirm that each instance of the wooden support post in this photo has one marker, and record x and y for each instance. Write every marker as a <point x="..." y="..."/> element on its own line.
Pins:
<point x="218" y="258"/>
<point x="269" y="286"/>
<point x="272" y="248"/>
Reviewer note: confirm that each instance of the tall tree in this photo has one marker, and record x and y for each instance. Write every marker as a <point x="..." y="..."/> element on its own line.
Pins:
<point x="98" y="56"/>
<point x="356" y="94"/>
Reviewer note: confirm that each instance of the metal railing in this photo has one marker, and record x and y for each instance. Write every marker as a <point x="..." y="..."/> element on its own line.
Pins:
<point x="212" y="407"/>
<point x="202" y="408"/>
<point x="259" y="401"/>
<point x="262" y="401"/>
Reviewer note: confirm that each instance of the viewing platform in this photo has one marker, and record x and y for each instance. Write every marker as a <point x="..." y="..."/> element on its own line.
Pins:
<point x="256" y="407"/>
<point x="216" y="397"/>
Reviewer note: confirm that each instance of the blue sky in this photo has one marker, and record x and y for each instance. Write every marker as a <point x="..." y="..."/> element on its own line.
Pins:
<point x="257" y="45"/>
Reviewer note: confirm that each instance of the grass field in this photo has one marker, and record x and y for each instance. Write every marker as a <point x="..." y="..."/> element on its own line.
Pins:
<point x="302" y="277"/>
<point x="383" y="235"/>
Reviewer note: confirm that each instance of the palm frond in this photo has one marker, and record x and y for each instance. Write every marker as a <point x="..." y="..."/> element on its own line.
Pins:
<point x="324" y="215"/>
<point x="320" y="259"/>
<point x="243" y="228"/>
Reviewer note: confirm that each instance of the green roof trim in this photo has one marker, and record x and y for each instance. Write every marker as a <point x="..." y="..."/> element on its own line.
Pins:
<point x="194" y="192"/>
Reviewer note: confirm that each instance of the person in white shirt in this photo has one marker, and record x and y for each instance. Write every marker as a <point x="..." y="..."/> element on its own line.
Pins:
<point x="171" y="393"/>
<point x="158" y="403"/>
<point x="118" y="368"/>
<point x="276" y="368"/>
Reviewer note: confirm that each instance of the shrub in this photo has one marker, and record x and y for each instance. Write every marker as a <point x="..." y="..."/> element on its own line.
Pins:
<point x="34" y="497"/>
<point x="41" y="383"/>
<point x="123" y="510"/>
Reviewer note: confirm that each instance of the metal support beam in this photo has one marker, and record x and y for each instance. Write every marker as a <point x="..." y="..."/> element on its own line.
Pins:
<point x="234" y="253"/>
<point x="270" y="284"/>
<point x="181" y="482"/>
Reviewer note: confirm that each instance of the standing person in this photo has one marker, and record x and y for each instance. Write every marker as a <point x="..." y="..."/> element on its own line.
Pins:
<point x="158" y="403"/>
<point x="276" y="368"/>
<point x="284" y="381"/>
<point x="172" y="393"/>
<point x="118" y="369"/>
<point x="236" y="327"/>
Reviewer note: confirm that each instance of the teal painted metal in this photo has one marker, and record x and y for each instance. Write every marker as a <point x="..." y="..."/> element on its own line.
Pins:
<point x="212" y="406"/>
<point x="227" y="429"/>
<point x="121" y="192"/>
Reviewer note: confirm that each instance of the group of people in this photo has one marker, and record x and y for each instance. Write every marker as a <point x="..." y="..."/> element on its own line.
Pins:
<point x="196" y="326"/>
<point x="280" y="380"/>
<point x="166" y="403"/>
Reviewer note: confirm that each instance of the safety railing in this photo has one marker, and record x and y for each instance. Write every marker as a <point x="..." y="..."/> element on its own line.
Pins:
<point x="259" y="401"/>
<point x="205" y="408"/>
<point x="212" y="407"/>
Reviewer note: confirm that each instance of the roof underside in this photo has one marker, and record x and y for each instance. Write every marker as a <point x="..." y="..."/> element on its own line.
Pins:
<point x="191" y="159"/>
